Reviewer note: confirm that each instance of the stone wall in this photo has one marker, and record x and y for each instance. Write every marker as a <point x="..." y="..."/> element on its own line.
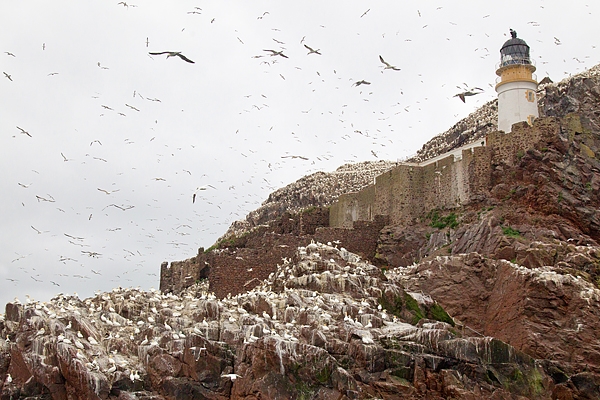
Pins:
<point x="410" y="190"/>
<point x="243" y="262"/>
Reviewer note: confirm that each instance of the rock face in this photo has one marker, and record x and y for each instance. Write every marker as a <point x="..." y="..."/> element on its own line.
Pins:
<point x="325" y="325"/>
<point x="495" y="299"/>
<point x="315" y="190"/>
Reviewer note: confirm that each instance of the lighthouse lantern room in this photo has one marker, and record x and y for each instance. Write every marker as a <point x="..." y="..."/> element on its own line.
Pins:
<point x="516" y="84"/>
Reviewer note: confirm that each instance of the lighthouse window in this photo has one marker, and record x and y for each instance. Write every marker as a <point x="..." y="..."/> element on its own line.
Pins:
<point x="530" y="95"/>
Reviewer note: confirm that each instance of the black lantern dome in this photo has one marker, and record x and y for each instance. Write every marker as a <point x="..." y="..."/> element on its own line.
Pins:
<point x="514" y="51"/>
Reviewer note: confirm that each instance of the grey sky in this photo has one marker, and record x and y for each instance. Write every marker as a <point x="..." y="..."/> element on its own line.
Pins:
<point x="224" y="122"/>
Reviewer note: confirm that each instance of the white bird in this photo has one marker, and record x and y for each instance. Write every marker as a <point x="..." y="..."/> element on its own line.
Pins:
<point x="92" y="341"/>
<point x="9" y="378"/>
<point x="388" y="65"/>
<point x="311" y="50"/>
<point x="367" y="340"/>
<point x="145" y="341"/>
<point x="233" y="377"/>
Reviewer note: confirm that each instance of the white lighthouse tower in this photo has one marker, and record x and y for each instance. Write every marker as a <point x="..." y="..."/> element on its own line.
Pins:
<point x="516" y="87"/>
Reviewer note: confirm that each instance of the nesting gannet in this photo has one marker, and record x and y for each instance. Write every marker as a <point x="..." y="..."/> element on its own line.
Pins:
<point x="173" y="54"/>
<point x="233" y="377"/>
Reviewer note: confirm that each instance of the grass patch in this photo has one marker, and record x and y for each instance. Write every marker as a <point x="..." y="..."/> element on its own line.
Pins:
<point x="439" y="314"/>
<point x="511" y="232"/>
<point x="412" y="305"/>
<point x="437" y="221"/>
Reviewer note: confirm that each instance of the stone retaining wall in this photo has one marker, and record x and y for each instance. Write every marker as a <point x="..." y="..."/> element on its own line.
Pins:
<point x="410" y="190"/>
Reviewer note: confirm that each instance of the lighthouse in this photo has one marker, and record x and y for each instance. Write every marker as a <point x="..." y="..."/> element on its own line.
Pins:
<point x="516" y="84"/>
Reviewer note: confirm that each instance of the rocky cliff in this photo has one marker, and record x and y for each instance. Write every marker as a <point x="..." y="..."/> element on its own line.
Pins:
<point x="314" y="190"/>
<point x="496" y="299"/>
<point x="324" y="325"/>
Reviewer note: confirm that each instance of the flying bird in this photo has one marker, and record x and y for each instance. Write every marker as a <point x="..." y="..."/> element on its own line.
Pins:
<point x="9" y="53"/>
<point x="108" y="191"/>
<point x="388" y="65"/>
<point x="361" y="82"/>
<point x="173" y="54"/>
<point x="23" y="131"/>
<point x="7" y="75"/>
<point x="276" y="53"/>
<point x="311" y="50"/>
<point x="365" y="13"/>
<point x="468" y="93"/>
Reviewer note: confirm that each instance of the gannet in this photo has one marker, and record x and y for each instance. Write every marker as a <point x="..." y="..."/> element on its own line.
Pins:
<point x="233" y="377"/>
<point x="173" y="54"/>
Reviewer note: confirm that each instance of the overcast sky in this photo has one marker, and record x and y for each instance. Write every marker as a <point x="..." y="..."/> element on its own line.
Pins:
<point x="98" y="192"/>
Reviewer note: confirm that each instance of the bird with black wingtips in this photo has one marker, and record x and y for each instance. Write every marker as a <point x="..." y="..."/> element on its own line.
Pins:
<point x="312" y="51"/>
<point x="388" y="65"/>
<point x="276" y="53"/>
<point x="465" y="94"/>
<point x="361" y="82"/>
<point x="172" y="54"/>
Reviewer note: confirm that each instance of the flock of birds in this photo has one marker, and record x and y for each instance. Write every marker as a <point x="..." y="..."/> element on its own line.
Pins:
<point x="112" y="333"/>
<point x="262" y="174"/>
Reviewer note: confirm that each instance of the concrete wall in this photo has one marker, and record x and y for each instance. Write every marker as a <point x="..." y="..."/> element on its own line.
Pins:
<point x="447" y="181"/>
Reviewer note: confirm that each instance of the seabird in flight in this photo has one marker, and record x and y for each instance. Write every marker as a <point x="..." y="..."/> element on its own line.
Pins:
<point x="361" y="82"/>
<point x="311" y="50"/>
<point x="468" y="93"/>
<point x="388" y="65"/>
<point x="173" y="54"/>
<point x="24" y="131"/>
<point x="276" y="53"/>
